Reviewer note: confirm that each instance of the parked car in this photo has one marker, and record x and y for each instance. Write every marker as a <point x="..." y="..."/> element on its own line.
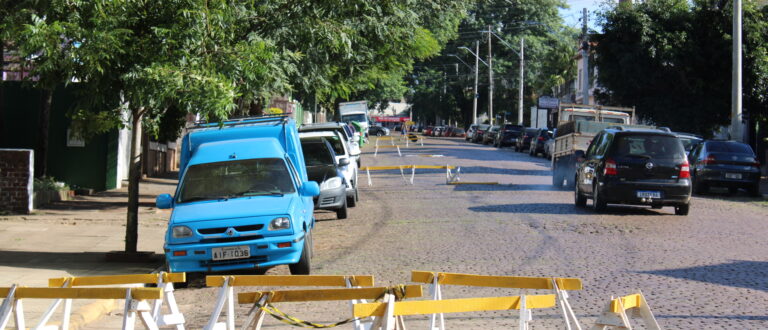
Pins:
<point x="634" y="166"/>
<point x="479" y="132"/>
<point x="322" y="167"/>
<point x="507" y="135"/>
<point x="549" y="146"/>
<point x="490" y="135"/>
<point x="539" y="140"/>
<point x="727" y="164"/>
<point x="690" y="141"/>
<point x="428" y="131"/>
<point x="448" y="131"/>
<point x="378" y="130"/>
<point x="244" y="200"/>
<point x="471" y="132"/>
<point x="438" y="130"/>
<point x="458" y="132"/>
<point x="523" y="141"/>
<point x="348" y="133"/>
<point x="341" y="151"/>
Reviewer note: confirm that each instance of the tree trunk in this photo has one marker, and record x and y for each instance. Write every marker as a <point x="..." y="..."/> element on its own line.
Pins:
<point x="134" y="174"/>
<point x="43" y="124"/>
<point x="2" y="71"/>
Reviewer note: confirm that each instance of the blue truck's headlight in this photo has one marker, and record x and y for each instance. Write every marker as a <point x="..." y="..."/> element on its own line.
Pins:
<point x="331" y="183"/>
<point x="182" y="232"/>
<point x="280" y="223"/>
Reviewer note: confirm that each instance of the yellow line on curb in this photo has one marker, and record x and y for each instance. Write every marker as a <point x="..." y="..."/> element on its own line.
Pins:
<point x="397" y="167"/>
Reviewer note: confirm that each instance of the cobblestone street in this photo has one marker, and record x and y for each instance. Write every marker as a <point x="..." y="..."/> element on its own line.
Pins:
<point x="706" y="270"/>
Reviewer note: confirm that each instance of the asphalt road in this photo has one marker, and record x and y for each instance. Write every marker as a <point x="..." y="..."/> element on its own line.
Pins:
<point x="706" y="270"/>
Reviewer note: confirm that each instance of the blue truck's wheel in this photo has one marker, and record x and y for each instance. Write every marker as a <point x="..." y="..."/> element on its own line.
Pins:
<point x="302" y="267"/>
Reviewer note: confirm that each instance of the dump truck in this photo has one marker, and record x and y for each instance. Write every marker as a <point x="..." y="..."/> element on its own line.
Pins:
<point x="576" y="125"/>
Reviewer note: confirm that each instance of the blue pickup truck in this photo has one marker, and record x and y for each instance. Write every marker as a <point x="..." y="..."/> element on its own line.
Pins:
<point x="243" y="200"/>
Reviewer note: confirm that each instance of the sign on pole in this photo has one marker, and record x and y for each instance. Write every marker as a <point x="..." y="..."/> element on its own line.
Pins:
<point x="548" y="102"/>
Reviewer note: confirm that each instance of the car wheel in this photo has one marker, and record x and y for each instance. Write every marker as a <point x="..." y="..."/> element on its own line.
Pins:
<point x="579" y="199"/>
<point x="682" y="209"/>
<point x="342" y="212"/>
<point x="598" y="204"/>
<point x="754" y="190"/>
<point x="379" y="133"/>
<point x="352" y="200"/>
<point x="302" y="267"/>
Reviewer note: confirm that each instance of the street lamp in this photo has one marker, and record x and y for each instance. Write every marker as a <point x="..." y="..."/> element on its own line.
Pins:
<point x="474" y="97"/>
<point x="520" y="55"/>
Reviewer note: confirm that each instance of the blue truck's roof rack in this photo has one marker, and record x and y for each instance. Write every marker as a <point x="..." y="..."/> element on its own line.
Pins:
<point x="281" y="118"/>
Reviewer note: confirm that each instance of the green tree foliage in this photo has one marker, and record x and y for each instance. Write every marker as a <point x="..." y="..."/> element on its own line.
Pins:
<point x="672" y="60"/>
<point x="549" y="47"/>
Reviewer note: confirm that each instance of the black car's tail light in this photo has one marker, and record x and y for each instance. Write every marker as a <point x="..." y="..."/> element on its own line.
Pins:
<point x="685" y="170"/>
<point x="610" y="167"/>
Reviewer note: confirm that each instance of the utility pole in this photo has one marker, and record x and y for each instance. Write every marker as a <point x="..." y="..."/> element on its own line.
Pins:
<point x="736" y="125"/>
<point x="490" y="78"/>
<point x="585" y="56"/>
<point x="475" y="91"/>
<point x="520" y="95"/>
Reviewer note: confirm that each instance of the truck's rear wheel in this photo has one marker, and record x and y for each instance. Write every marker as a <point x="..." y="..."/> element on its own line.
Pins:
<point x="302" y="267"/>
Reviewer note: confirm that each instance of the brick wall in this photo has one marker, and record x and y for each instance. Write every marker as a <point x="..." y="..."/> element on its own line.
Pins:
<point x="16" y="174"/>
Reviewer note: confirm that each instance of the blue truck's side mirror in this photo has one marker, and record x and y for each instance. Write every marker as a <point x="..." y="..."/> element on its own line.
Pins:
<point x="164" y="201"/>
<point x="309" y="189"/>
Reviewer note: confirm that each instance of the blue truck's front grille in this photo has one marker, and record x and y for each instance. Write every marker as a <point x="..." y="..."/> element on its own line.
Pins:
<point x="230" y="239"/>
<point x="221" y="230"/>
<point x="251" y="260"/>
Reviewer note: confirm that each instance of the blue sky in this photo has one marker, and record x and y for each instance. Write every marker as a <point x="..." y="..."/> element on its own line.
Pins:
<point x="572" y="16"/>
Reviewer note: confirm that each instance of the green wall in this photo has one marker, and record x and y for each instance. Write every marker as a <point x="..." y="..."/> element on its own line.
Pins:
<point x="85" y="167"/>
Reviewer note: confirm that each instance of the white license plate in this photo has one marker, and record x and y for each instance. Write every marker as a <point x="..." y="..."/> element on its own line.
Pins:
<point x="736" y="176"/>
<point x="648" y="194"/>
<point x="231" y="252"/>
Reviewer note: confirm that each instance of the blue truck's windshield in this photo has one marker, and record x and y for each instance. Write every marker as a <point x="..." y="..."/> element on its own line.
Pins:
<point x="238" y="178"/>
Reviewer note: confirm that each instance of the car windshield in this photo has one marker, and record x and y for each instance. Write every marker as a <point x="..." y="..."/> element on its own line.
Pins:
<point x="613" y="120"/>
<point x="237" y="178"/>
<point x="648" y="146"/>
<point x="360" y="117"/>
<point x="731" y="147"/>
<point x="316" y="153"/>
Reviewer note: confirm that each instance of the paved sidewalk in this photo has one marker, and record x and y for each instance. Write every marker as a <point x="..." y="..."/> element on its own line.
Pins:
<point x="71" y="238"/>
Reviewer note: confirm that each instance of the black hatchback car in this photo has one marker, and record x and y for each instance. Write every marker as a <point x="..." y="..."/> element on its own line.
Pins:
<point x="728" y="164"/>
<point x="523" y="141"/>
<point x="507" y="135"/>
<point x="634" y="166"/>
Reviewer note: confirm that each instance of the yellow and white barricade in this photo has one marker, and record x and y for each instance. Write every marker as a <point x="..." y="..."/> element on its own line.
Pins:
<point x="615" y="316"/>
<point x="227" y="284"/>
<point x="390" y="312"/>
<point x="413" y="168"/>
<point x="559" y="285"/>
<point x="262" y="304"/>
<point x="135" y="304"/>
<point x="163" y="281"/>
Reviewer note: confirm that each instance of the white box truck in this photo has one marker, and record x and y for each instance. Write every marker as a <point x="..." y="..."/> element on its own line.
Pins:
<point x="356" y="111"/>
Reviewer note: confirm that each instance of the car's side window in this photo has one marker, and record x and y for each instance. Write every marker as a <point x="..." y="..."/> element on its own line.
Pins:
<point x="593" y="146"/>
<point x="294" y="173"/>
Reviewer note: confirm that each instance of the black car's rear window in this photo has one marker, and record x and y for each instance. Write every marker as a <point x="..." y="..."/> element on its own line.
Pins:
<point x="731" y="147"/>
<point x="316" y="153"/>
<point x="647" y="145"/>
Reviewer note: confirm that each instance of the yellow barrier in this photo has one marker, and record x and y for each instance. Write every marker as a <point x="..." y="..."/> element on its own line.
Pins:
<point x="290" y="280"/>
<point x="423" y="307"/>
<point x="615" y="313"/>
<point x="515" y="282"/>
<point x="410" y="291"/>
<point x="227" y="284"/>
<point x="135" y="303"/>
<point x="559" y="285"/>
<point x="118" y="279"/>
<point x="82" y="293"/>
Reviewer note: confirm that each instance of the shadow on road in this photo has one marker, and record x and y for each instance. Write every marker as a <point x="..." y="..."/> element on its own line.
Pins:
<point x="563" y="208"/>
<point x="75" y="263"/>
<point x="504" y="187"/>
<point x="86" y="205"/>
<point x="739" y="273"/>
<point x="508" y="171"/>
